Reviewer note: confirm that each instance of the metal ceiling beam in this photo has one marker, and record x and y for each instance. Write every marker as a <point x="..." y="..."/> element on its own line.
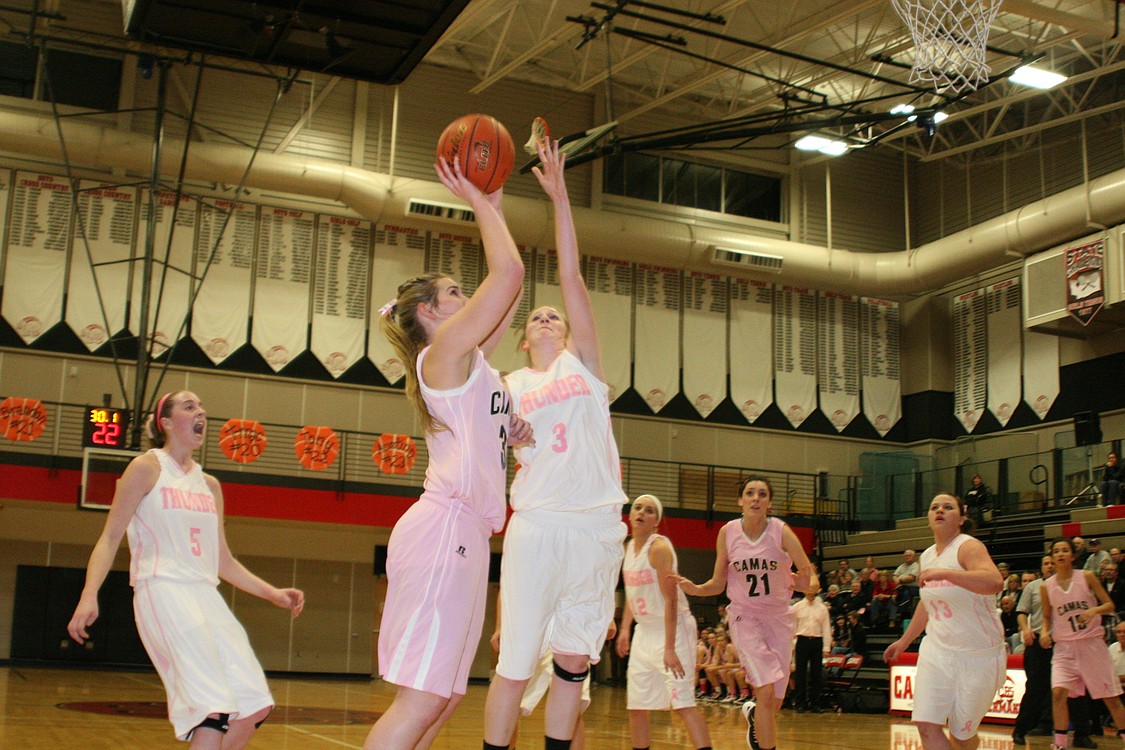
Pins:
<point x="1089" y="26"/>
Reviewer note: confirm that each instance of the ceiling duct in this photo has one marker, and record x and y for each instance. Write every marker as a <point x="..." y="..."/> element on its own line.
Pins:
<point x="760" y="262"/>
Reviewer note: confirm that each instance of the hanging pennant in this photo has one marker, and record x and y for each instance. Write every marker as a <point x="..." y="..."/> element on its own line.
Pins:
<point x="316" y="447"/>
<point x="1085" y="280"/>
<point x="22" y="419"/>
<point x="242" y="440"/>
<point x="394" y="454"/>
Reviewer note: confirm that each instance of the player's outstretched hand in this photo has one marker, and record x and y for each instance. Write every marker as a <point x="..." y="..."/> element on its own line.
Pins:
<point x="458" y="184"/>
<point x="687" y="586"/>
<point x="550" y="173"/>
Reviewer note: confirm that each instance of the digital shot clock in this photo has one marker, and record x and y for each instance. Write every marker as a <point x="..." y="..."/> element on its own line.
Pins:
<point x="105" y="427"/>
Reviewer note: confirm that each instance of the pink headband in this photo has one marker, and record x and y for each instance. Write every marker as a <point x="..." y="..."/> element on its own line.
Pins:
<point x="159" y="408"/>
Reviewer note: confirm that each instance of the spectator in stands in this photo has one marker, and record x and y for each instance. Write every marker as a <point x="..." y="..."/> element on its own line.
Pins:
<point x="1117" y="652"/>
<point x="830" y="578"/>
<point x="1005" y="570"/>
<point x="843" y="568"/>
<point x="846" y="581"/>
<point x="883" y="611"/>
<point x="1034" y="715"/>
<point x="1081" y="552"/>
<point x="836" y="603"/>
<point x="857" y="634"/>
<point x="814" y="642"/>
<point x="1010" y="620"/>
<point x="1026" y="578"/>
<point x="859" y="600"/>
<point x="1011" y="588"/>
<point x="906" y="582"/>
<point x="1112" y="476"/>
<point x="1114" y="588"/>
<point x="868" y="567"/>
<point x="1115" y="555"/>
<point x="976" y="497"/>
<point x="1097" y="557"/>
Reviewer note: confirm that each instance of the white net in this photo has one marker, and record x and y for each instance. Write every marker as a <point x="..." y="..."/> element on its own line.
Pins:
<point x="949" y="41"/>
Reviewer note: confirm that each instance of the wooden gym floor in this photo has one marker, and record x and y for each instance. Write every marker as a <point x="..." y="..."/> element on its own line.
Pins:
<point x="34" y="716"/>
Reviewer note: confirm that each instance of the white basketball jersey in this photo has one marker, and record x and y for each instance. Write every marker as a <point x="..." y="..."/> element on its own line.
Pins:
<point x="574" y="465"/>
<point x="174" y="535"/>
<point x="959" y="620"/>
<point x="642" y="588"/>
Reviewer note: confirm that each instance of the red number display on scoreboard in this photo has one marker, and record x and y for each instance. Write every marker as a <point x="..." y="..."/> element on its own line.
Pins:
<point x="105" y="427"/>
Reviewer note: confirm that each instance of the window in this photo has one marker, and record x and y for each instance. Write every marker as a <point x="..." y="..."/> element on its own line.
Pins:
<point x="77" y="79"/>
<point x="681" y="183"/>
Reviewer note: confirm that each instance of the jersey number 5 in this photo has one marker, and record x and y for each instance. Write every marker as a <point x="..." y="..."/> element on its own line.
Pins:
<point x="196" y="548"/>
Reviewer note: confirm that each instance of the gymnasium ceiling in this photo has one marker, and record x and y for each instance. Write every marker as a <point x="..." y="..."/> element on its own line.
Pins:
<point x="773" y="69"/>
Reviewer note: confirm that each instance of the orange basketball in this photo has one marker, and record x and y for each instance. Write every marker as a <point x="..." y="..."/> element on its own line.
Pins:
<point x="486" y="150"/>
<point x="242" y="440"/>
<point x="316" y="447"/>
<point x="394" y="454"/>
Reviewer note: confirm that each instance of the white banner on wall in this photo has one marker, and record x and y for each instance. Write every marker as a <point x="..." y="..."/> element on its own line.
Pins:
<point x="108" y="216"/>
<point x="546" y="289"/>
<point x="794" y="347"/>
<point x="172" y="254"/>
<point x="1040" y="371"/>
<point x="220" y="315"/>
<point x="1003" y="347"/>
<point x="610" y="284"/>
<point x="751" y="346"/>
<point x="457" y="256"/>
<point x="340" y="296"/>
<point x="705" y="340"/>
<point x="838" y="357"/>
<point x="400" y="254"/>
<point x="38" y="243"/>
<point x="281" y="286"/>
<point x="970" y="358"/>
<point x="882" y="384"/>
<point x="508" y="355"/>
<point x="656" y="366"/>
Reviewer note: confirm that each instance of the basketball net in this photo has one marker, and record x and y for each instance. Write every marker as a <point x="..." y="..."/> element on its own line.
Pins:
<point x="949" y="41"/>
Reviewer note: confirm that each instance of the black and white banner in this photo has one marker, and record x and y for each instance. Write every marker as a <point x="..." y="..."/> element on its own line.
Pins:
<point x="1003" y="330"/>
<point x="882" y="377"/>
<point x="281" y="290"/>
<point x="751" y="346"/>
<point x="459" y="257"/>
<point x="340" y="298"/>
<point x="970" y="358"/>
<point x="224" y="260"/>
<point x="705" y="340"/>
<point x="610" y="284"/>
<point x="400" y="254"/>
<point x="656" y="366"/>
<point x="38" y="245"/>
<point x="171" y="280"/>
<point x="838" y="357"/>
<point x="794" y="347"/>
<point x="103" y="243"/>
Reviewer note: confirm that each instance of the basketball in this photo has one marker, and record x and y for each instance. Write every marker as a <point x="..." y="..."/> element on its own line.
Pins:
<point x="485" y="147"/>
<point x="242" y="440"/>
<point x="316" y="447"/>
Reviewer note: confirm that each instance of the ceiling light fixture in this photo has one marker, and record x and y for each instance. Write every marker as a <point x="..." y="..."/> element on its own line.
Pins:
<point x="1035" y="78"/>
<point x="821" y="144"/>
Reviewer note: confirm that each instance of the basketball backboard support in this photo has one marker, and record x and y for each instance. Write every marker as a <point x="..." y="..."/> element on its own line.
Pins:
<point x="576" y="143"/>
<point x="101" y="470"/>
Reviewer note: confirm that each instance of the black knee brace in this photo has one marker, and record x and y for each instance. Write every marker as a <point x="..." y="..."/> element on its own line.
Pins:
<point x="570" y="676"/>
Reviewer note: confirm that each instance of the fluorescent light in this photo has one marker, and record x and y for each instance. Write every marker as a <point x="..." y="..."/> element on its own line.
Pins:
<point x="940" y="117"/>
<point x="822" y="144"/>
<point x="1035" y="78"/>
<point x="902" y="109"/>
<point x="812" y="143"/>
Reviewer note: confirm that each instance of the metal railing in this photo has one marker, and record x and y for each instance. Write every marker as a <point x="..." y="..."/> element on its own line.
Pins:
<point x="690" y="486"/>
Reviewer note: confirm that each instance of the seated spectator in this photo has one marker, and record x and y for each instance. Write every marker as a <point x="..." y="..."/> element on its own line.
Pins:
<point x="1097" y="557"/>
<point x="1081" y="552"/>
<point x="882" y="613"/>
<point x="1115" y="589"/>
<point x="857" y="634"/>
<point x="906" y="582"/>
<point x="858" y="601"/>
<point x="1009" y="618"/>
<point x="1011" y="588"/>
<point x="1112" y="476"/>
<point x="836" y="603"/>
<point x="1026" y="578"/>
<point x="1117" y="652"/>
<point x="1115" y="555"/>
<point x="843" y="568"/>
<point x="868" y="567"/>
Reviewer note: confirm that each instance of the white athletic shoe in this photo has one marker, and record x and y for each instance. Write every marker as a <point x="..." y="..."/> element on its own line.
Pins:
<point x="748" y="714"/>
